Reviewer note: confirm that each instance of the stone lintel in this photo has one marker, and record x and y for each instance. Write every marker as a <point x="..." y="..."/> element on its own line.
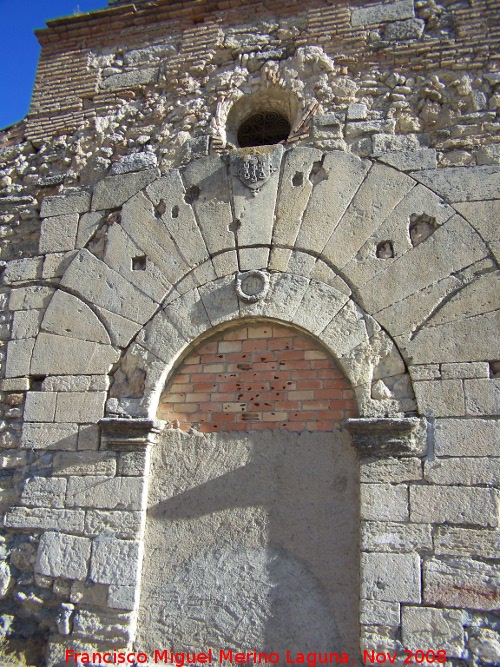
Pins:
<point x="388" y="436"/>
<point x="123" y="433"/>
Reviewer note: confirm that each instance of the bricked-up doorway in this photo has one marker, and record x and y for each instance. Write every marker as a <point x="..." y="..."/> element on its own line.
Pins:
<point x="252" y="536"/>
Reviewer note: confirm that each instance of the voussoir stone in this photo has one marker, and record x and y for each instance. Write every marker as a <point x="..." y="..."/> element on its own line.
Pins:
<point x="114" y="191"/>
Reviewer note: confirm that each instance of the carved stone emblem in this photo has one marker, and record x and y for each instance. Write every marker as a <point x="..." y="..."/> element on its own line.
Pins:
<point x="254" y="170"/>
<point x="252" y="286"/>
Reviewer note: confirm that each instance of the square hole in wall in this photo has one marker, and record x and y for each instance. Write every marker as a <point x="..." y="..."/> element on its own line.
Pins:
<point x="139" y="263"/>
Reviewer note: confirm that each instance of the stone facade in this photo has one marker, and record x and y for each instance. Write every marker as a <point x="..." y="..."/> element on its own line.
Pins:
<point x="278" y="364"/>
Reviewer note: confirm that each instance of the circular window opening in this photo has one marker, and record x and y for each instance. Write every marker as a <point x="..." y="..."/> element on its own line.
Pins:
<point x="262" y="129"/>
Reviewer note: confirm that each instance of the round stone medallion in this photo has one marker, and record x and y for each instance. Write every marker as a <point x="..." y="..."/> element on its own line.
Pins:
<point x="252" y="285"/>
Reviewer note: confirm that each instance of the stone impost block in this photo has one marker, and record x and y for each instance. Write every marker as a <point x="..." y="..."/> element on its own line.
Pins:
<point x="462" y="583"/>
<point x="105" y="492"/>
<point x="384" y="502"/>
<point x="34" y="518"/>
<point x="49" y="436"/>
<point x="451" y="504"/>
<point x="437" y="628"/>
<point x="68" y="316"/>
<point x="80" y="407"/>
<point x="121" y="524"/>
<point x="463" y="471"/>
<point x="134" y="464"/>
<point x="115" y="562"/>
<point x="397" y="537"/>
<point x="482" y="397"/>
<point x="40" y="406"/>
<point x="19" y="354"/>
<point x="114" y="191"/>
<point x="451" y="541"/>
<point x="391" y="470"/>
<point x="390" y="577"/>
<point x="84" y="463"/>
<point x="440" y="398"/>
<point x="58" y="234"/>
<point x="377" y="612"/>
<point x="389" y="11"/>
<point x="467" y="437"/>
<point x="44" y="492"/>
<point x="462" y="184"/>
<point x="77" y="202"/>
<point x="64" y="556"/>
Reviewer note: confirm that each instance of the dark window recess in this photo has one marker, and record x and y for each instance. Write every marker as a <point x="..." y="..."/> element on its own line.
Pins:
<point x="263" y="129"/>
<point x="139" y="263"/>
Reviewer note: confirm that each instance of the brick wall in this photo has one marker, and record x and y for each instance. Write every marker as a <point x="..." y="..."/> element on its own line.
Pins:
<point x="256" y="377"/>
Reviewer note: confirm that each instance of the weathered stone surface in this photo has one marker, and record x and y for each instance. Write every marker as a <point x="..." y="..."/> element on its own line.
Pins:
<point x="102" y="286"/>
<point x="87" y="226"/>
<point x="80" y="407"/>
<point x="377" y="612"/>
<point x="328" y="302"/>
<point x="467" y="542"/>
<point x="390" y="577"/>
<point x="389" y="11"/>
<point x="420" y="158"/>
<point x="485" y="645"/>
<point x="26" y="323"/>
<point x="49" y="436"/>
<point x="188" y="315"/>
<point x="460" y="184"/>
<point x="471" y="437"/>
<point x="253" y="258"/>
<point x="40" y="406"/>
<point x="15" y="384"/>
<point x="103" y="626"/>
<point x="220" y="300"/>
<point x="463" y="471"/>
<point x="84" y="463"/>
<point x="121" y="524"/>
<point x="19" y="270"/>
<point x="130" y="79"/>
<point x="346" y="331"/>
<point x="44" y="492"/>
<point x="225" y="263"/>
<point x="440" y="398"/>
<point x="478" y="369"/>
<point x="384" y="502"/>
<point x="60" y="354"/>
<point x="399" y="537"/>
<point x="121" y="330"/>
<point x="56" y="263"/>
<point x="115" y="562"/>
<point x="133" y="464"/>
<point x="425" y="626"/>
<point x="35" y="518"/>
<point x="65" y="556"/>
<point x="450" y="504"/>
<point x="212" y="205"/>
<point x="482" y="397"/>
<point x="75" y="383"/>
<point x="162" y="338"/>
<point x="77" y="202"/>
<point x="114" y="191"/>
<point x="88" y="437"/>
<point x="390" y="470"/>
<point x="462" y="583"/>
<point x="59" y="233"/>
<point x="134" y="162"/>
<point x="123" y="597"/>
<point x="25" y="298"/>
<point x="483" y="216"/>
<point x="105" y="492"/>
<point x="342" y="174"/>
<point x="68" y="316"/>
<point x="283" y="298"/>
<point x="19" y="357"/>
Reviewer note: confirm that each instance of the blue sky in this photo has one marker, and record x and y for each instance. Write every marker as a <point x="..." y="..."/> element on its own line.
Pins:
<point x="19" y="48"/>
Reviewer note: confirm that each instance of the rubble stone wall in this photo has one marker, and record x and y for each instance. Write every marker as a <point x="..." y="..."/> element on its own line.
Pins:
<point x="136" y="236"/>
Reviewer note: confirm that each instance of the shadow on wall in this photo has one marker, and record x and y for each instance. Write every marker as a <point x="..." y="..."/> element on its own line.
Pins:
<point x="252" y="543"/>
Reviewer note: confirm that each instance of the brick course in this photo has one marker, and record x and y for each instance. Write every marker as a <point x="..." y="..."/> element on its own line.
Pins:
<point x="256" y="377"/>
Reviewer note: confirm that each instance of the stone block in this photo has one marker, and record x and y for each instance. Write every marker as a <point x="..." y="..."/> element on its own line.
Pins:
<point x="15" y="384"/>
<point x="390" y="470"/>
<point x="18" y="270"/>
<point x="377" y="612"/>
<point x="133" y="464"/>
<point x="68" y="316"/>
<point x="115" y="562"/>
<point x="410" y="160"/>
<point x="123" y="597"/>
<point x="120" y="523"/>
<point x="478" y="369"/>
<point x="482" y="397"/>
<point x="121" y="330"/>
<point x="469" y="437"/>
<point x="440" y="398"/>
<point x="403" y="30"/>
<point x="398" y="537"/>
<point x="58" y="233"/>
<point x="485" y="646"/>
<point x="225" y="264"/>
<point x="425" y="372"/>
<point x="26" y="323"/>
<point x="220" y="300"/>
<point x="19" y="357"/>
<point x="346" y="331"/>
<point x="463" y="471"/>
<point x="25" y="298"/>
<point x="282" y="300"/>
<point x="84" y="463"/>
<point x="102" y="286"/>
<point x="35" y="518"/>
<point x="72" y="356"/>
<point x="360" y="127"/>
<point x="253" y="258"/>
<point x="125" y="493"/>
<point x="49" y="436"/>
<point x="384" y="502"/>
<point x="134" y="162"/>
<point x="389" y="11"/>
<point x="40" y="406"/>
<point x="89" y="437"/>
<point x="483" y="216"/>
<point x="425" y="627"/>
<point x="64" y="556"/>
<point x="357" y="111"/>
<point x="130" y="79"/>
<point x="87" y="226"/>
<point x="162" y="338"/>
<point x="462" y="583"/>
<point x="455" y="505"/>
<point x="462" y="184"/>
<point x="44" y="492"/>
<point x="105" y="626"/>
<point x="10" y="460"/>
<point x="451" y="541"/>
<point x="328" y="300"/>
<point x="80" y="407"/>
<point x="188" y="315"/>
<point x="76" y="202"/>
<point x="114" y="191"/>
<point x="390" y="577"/>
